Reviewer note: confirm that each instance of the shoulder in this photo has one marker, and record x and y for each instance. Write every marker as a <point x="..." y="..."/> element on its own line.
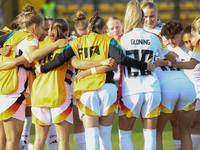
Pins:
<point x="160" y="24"/>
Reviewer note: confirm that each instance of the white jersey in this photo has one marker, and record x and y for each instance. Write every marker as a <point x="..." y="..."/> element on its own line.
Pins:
<point x="22" y="73"/>
<point x="195" y="78"/>
<point x="141" y="45"/>
<point x="168" y="73"/>
<point x="157" y="30"/>
<point x="196" y="71"/>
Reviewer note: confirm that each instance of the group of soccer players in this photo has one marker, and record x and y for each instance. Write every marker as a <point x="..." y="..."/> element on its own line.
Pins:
<point x="55" y="81"/>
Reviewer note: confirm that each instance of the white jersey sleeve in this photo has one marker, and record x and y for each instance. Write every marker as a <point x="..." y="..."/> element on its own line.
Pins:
<point x="196" y="52"/>
<point x="24" y="44"/>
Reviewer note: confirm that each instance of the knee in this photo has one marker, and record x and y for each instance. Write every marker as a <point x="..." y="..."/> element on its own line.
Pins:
<point x="195" y="124"/>
<point x="63" y="139"/>
<point x="13" y="139"/>
<point x="174" y="122"/>
<point x="40" y="139"/>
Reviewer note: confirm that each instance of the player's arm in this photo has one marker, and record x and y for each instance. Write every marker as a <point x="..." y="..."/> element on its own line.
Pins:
<point x="11" y="63"/>
<point x="86" y="64"/>
<point x="99" y="69"/>
<point x="63" y="57"/>
<point x="185" y="65"/>
<point x="35" y="53"/>
<point x="116" y="53"/>
<point x="182" y="65"/>
<point x="170" y="56"/>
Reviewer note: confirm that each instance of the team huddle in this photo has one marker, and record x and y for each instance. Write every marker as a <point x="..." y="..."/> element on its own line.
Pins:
<point x="54" y="80"/>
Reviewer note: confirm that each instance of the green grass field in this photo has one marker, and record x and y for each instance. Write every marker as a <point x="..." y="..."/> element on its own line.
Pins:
<point x="137" y="136"/>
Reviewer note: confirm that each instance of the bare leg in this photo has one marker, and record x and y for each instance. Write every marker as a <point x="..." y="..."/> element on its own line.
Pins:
<point x="26" y="129"/>
<point x="90" y="121"/>
<point x="91" y="125"/>
<point x="126" y="123"/>
<point x="40" y="136"/>
<point x="149" y="133"/>
<point x="150" y="123"/>
<point x="78" y="124"/>
<point x="79" y="132"/>
<point x="107" y="120"/>
<point x="195" y="130"/>
<point x="125" y="131"/>
<point x="185" y="119"/>
<point x="13" y="130"/>
<point x="174" y="122"/>
<point x="2" y="137"/>
<point x="162" y="120"/>
<point x="105" y="128"/>
<point x="195" y="126"/>
<point x="63" y="132"/>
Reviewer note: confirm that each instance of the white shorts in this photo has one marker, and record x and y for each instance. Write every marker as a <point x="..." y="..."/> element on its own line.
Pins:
<point x="197" y="107"/>
<point x="16" y="109"/>
<point x="50" y="115"/>
<point x="101" y="102"/>
<point x="147" y="104"/>
<point x="178" y="92"/>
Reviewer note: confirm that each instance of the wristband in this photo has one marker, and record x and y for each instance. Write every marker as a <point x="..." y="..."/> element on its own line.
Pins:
<point x="38" y="69"/>
<point x="169" y="64"/>
<point x="93" y="70"/>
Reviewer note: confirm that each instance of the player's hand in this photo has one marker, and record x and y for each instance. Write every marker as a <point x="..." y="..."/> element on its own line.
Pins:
<point x="109" y="62"/>
<point x="84" y="73"/>
<point x="150" y="66"/>
<point x="5" y="51"/>
<point x="160" y="62"/>
<point x="61" y="43"/>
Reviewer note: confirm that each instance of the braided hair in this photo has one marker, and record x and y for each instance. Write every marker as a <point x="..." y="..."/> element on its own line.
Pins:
<point x="96" y="23"/>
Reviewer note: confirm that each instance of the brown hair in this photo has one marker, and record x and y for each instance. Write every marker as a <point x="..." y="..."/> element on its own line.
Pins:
<point x="187" y="30"/>
<point x="59" y="27"/>
<point x="30" y="16"/>
<point x="15" y="25"/>
<point x="96" y="23"/>
<point x="80" y="21"/>
<point x="171" y="28"/>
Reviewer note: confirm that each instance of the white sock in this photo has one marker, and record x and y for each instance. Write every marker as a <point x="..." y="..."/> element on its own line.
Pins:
<point x="104" y="134"/>
<point x="92" y="138"/>
<point x="25" y="133"/>
<point x="177" y="144"/>
<point x="149" y="139"/>
<point x="195" y="141"/>
<point x="125" y="142"/>
<point x="51" y="140"/>
<point x="79" y="139"/>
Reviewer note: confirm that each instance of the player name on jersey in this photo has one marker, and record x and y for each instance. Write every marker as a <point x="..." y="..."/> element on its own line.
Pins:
<point x="140" y="42"/>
